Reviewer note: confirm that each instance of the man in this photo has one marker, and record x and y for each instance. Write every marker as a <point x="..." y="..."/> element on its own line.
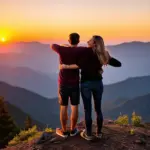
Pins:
<point x="68" y="85"/>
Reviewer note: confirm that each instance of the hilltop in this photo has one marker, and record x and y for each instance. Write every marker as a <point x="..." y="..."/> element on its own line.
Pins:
<point x="115" y="138"/>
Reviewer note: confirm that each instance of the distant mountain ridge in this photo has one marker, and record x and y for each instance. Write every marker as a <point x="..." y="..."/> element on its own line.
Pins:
<point x="118" y="93"/>
<point x="135" y="58"/>
<point x="39" y="108"/>
<point x="47" y="86"/>
<point x="44" y="109"/>
<point x="141" y="105"/>
<point x="19" y="116"/>
<point x="129" y="88"/>
<point x="130" y="43"/>
<point x="30" y="79"/>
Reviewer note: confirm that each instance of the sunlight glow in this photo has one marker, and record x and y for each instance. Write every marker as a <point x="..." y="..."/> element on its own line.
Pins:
<point x="3" y="39"/>
<point x="115" y="20"/>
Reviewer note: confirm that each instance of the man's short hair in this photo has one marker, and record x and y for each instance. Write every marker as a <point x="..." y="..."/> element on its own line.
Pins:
<point x="74" y="38"/>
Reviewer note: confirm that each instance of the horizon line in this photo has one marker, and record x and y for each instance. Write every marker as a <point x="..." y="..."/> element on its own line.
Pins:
<point x="81" y="43"/>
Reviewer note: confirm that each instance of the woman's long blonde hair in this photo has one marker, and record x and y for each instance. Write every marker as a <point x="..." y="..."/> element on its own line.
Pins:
<point x="99" y="49"/>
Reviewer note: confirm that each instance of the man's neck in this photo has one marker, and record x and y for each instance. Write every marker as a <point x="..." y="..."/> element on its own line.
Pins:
<point x="73" y="45"/>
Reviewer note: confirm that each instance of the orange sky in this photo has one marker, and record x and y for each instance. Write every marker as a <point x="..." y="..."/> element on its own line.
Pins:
<point x="46" y="20"/>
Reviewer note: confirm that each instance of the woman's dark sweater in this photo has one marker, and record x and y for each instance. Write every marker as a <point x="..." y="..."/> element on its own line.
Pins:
<point x="90" y="65"/>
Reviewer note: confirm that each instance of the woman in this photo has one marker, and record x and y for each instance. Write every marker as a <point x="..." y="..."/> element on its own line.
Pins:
<point x="91" y="81"/>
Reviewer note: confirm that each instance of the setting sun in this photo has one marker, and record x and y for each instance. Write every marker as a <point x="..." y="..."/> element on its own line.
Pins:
<point x="3" y="39"/>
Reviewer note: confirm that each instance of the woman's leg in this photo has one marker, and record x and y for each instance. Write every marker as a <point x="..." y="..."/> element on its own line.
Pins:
<point x="86" y="96"/>
<point x="97" y="95"/>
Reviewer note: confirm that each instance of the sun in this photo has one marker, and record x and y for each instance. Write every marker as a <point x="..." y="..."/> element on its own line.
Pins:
<point x="3" y="39"/>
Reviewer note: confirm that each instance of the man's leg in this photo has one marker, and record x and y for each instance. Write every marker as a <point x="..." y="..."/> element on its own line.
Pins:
<point x="63" y="101"/>
<point x="74" y="116"/>
<point x="75" y="100"/>
<point x="63" y="117"/>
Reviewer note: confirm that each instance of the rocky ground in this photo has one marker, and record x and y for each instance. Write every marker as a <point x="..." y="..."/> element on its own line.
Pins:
<point x="115" y="138"/>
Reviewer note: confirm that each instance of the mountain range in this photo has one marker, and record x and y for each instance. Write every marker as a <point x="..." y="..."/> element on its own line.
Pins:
<point x="39" y="108"/>
<point x="30" y="79"/>
<point x="28" y="75"/>
<point x="46" y="86"/>
<point x="135" y="58"/>
<point x="140" y="105"/>
<point x="125" y="90"/>
<point x="19" y="116"/>
<point x="46" y="111"/>
<point x="34" y="55"/>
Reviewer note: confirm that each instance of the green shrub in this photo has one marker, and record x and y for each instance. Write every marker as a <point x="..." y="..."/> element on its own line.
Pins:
<point x="122" y="120"/>
<point x="14" y="141"/>
<point x="132" y="131"/>
<point x="25" y="135"/>
<point x="48" y="130"/>
<point x="136" y="120"/>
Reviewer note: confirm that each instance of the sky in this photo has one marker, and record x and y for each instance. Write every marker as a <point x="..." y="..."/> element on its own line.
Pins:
<point x="52" y="20"/>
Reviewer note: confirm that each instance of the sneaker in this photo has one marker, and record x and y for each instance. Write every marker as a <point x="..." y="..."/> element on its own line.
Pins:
<point x="74" y="132"/>
<point x="61" y="133"/>
<point x="99" y="135"/>
<point x="85" y="136"/>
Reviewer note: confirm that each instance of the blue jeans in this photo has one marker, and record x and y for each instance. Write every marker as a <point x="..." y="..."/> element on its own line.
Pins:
<point x="88" y="89"/>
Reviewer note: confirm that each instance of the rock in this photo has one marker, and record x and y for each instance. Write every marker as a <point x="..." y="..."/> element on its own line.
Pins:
<point x="44" y="137"/>
<point x="108" y="121"/>
<point x="140" y="141"/>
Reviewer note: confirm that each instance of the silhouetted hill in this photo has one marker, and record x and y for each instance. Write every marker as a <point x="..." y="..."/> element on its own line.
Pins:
<point x="42" y="109"/>
<point x="32" y="80"/>
<point x="141" y="105"/>
<point x="19" y="116"/>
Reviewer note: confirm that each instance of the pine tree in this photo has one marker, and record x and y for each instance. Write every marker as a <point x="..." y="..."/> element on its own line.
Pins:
<point x="8" y="128"/>
<point x="28" y="123"/>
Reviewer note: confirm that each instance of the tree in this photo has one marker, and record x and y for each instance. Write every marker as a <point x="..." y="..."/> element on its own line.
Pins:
<point x="28" y="123"/>
<point x="8" y="128"/>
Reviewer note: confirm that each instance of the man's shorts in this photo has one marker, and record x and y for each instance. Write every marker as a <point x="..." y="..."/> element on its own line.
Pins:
<point x="66" y="92"/>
